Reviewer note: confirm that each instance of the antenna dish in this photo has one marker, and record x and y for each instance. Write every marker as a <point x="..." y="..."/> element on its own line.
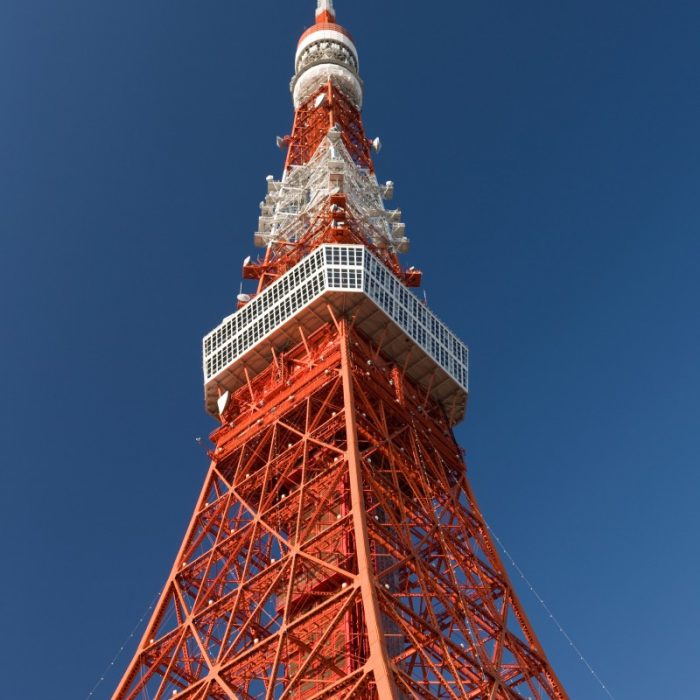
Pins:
<point x="320" y="99"/>
<point x="377" y="144"/>
<point x="246" y="261"/>
<point x="243" y="298"/>
<point x="222" y="401"/>
<point x="280" y="142"/>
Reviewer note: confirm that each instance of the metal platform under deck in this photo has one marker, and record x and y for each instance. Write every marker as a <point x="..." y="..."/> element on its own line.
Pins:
<point x="353" y="283"/>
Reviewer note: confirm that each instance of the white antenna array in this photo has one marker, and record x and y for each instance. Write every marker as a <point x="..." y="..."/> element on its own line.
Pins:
<point x="292" y="204"/>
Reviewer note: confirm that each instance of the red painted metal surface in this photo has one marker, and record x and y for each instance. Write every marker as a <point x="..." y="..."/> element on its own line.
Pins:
<point x="314" y="118"/>
<point x="337" y="551"/>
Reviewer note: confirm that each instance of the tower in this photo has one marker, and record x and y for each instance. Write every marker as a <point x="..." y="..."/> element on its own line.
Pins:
<point x="336" y="549"/>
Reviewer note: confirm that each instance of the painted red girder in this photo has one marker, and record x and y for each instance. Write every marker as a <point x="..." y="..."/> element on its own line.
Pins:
<point x="337" y="551"/>
<point x="312" y="122"/>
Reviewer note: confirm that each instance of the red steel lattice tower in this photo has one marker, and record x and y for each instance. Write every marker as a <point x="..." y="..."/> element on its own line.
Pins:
<point x="336" y="549"/>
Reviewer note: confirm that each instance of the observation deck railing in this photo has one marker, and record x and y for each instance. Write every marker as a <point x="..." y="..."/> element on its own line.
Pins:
<point x="352" y="280"/>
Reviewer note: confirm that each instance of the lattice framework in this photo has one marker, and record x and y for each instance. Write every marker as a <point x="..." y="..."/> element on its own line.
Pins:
<point x="336" y="549"/>
<point x="269" y="597"/>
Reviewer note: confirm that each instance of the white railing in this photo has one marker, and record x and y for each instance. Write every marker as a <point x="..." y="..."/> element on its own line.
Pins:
<point x="334" y="268"/>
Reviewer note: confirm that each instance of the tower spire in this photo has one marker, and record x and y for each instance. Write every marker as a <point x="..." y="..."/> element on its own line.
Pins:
<point x="325" y="12"/>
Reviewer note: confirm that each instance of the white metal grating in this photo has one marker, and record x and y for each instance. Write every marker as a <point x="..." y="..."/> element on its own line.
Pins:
<point x="416" y="319"/>
<point x="352" y="271"/>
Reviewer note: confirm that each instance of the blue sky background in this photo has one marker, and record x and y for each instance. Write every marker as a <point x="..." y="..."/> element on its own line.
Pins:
<point x="547" y="161"/>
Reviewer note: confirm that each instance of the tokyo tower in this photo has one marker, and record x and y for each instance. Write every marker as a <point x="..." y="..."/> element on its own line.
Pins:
<point x="336" y="549"/>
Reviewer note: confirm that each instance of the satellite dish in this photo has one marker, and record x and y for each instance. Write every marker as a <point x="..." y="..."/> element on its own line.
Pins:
<point x="377" y="144"/>
<point x="246" y="261"/>
<point x="243" y="298"/>
<point x="320" y="99"/>
<point x="222" y="401"/>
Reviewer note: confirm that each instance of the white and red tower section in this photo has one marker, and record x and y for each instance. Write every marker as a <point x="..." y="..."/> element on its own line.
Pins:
<point x="336" y="549"/>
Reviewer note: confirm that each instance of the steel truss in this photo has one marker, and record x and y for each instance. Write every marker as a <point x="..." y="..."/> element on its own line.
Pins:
<point x="337" y="551"/>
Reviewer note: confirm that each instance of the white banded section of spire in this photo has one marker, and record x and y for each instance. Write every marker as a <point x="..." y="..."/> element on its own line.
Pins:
<point x="326" y="52"/>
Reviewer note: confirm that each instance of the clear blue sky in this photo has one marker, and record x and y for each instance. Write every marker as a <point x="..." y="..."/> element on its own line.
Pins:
<point x="547" y="161"/>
